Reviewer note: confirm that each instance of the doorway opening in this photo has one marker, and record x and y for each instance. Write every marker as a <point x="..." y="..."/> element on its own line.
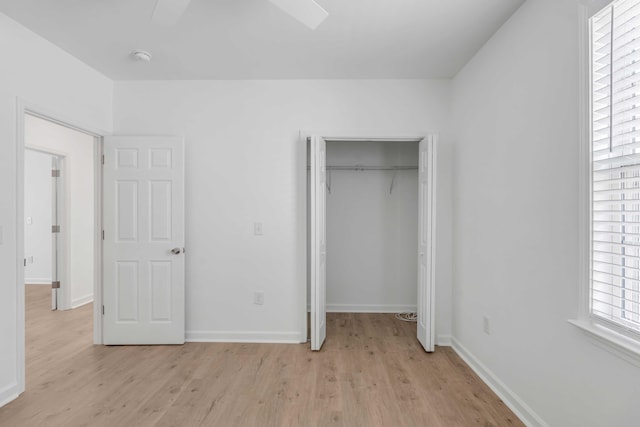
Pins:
<point x="39" y="335"/>
<point x="59" y="211"/>
<point x="371" y="221"/>
<point x="44" y="244"/>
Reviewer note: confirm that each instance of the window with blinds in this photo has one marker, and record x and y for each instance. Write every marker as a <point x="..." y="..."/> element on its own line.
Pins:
<point x="615" y="145"/>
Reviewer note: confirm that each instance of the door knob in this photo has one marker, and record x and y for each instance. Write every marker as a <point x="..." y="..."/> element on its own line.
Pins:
<point x="176" y="251"/>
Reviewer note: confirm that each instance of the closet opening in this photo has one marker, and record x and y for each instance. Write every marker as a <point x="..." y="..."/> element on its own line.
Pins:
<point x="370" y="240"/>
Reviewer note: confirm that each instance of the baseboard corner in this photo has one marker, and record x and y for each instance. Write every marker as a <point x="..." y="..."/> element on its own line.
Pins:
<point x="78" y="302"/>
<point x="443" y="340"/>
<point x="9" y="394"/>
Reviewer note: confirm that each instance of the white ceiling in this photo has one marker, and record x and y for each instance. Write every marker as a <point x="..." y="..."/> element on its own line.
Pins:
<point x="253" y="39"/>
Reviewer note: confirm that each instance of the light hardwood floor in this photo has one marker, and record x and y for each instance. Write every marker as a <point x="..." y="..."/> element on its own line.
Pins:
<point x="371" y="372"/>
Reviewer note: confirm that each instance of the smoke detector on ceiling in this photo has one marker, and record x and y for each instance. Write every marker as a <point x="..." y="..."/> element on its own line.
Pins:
<point x="141" y="55"/>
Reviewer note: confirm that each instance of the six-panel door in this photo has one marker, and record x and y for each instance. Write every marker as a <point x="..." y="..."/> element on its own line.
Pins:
<point x="143" y="289"/>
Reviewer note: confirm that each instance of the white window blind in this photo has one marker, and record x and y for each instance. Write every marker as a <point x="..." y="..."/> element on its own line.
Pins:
<point x="615" y="196"/>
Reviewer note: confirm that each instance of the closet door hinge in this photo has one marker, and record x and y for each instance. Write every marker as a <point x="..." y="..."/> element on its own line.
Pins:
<point x="103" y="159"/>
<point x="55" y="284"/>
<point x="55" y="228"/>
<point x="103" y="310"/>
<point x="102" y="234"/>
<point x="55" y="173"/>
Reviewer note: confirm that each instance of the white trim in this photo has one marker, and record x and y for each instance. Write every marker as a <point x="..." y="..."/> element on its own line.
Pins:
<point x="370" y="308"/>
<point x="78" y="302"/>
<point x="60" y="119"/>
<point x="245" y="337"/>
<point x="584" y="163"/>
<point x="97" y="249"/>
<point x="591" y="7"/>
<point x="443" y="340"/>
<point x="619" y="345"/>
<point x="37" y="281"/>
<point x="9" y="393"/>
<point x="20" y="308"/>
<point x="512" y="400"/>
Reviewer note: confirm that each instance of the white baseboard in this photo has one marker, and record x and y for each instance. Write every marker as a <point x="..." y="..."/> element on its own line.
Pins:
<point x="443" y="340"/>
<point x="37" y="281"/>
<point x="8" y="394"/>
<point x="370" y="308"/>
<point x="82" y="301"/>
<point x="245" y="337"/>
<point x="512" y="400"/>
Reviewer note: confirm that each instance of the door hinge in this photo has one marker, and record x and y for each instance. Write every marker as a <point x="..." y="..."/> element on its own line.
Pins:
<point x="102" y="234"/>
<point x="55" y="285"/>
<point x="25" y="262"/>
<point x="103" y="310"/>
<point x="103" y="159"/>
<point x="55" y="173"/>
<point x="55" y="228"/>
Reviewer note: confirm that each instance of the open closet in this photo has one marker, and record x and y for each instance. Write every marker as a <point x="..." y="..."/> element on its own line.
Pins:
<point x="372" y="226"/>
<point x="371" y="222"/>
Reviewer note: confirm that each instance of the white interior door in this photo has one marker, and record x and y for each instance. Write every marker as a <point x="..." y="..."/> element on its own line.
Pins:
<point x="426" y="243"/>
<point x="144" y="281"/>
<point x="318" y="160"/>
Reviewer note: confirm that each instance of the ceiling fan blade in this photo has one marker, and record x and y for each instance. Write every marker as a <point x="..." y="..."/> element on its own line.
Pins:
<point x="308" y="12"/>
<point x="167" y="12"/>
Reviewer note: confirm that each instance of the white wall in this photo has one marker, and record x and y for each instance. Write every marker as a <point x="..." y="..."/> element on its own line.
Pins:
<point x="372" y="233"/>
<point x="516" y="224"/>
<point x="77" y="148"/>
<point x="245" y="164"/>
<point x="42" y="74"/>
<point x="37" y="208"/>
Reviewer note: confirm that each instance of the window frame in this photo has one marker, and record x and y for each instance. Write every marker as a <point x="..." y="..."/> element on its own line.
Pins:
<point x="605" y="334"/>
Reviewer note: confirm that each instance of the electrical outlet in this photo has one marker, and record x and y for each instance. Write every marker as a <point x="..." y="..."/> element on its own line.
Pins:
<point x="486" y="322"/>
<point x="258" y="298"/>
<point x="30" y="260"/>
<point x="257" y="228"/>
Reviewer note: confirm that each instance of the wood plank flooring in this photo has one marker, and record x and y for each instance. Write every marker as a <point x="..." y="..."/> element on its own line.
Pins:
<point x="371" y="372"/>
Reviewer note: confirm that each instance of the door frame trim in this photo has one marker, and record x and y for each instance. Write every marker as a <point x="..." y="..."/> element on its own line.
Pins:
<point x="303" y="209"/>
<point x="24" y="107"/>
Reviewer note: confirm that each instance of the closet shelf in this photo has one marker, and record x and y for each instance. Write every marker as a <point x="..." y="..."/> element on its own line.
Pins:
<point x="370" y="168"/>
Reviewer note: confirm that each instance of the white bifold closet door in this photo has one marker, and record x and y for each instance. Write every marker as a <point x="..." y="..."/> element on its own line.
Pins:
<point x="426" y="239"/>
<point x="426" y="243"/>
<point x="318" y="159"/>
<point x="143" y="286"/>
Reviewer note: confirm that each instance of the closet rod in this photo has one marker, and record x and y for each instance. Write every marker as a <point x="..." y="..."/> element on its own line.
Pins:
<point x="369" y="168"/>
